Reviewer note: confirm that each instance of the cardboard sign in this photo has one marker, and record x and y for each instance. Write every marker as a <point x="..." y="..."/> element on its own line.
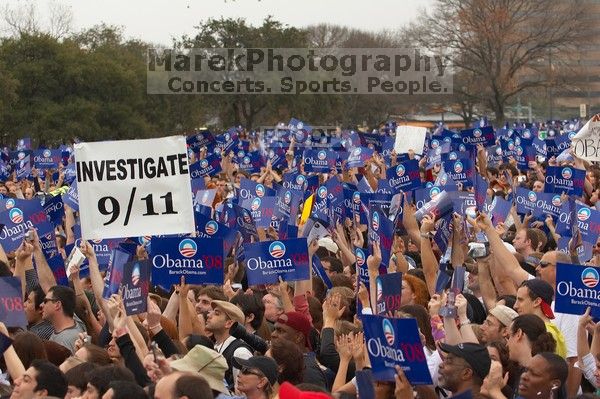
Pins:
<point x="410" y="138"/>
<point x="200" y="260"/>
<point x="12" y="312"/>
<point x="576" y="289"/>
<point x="266" y="261"/>
<point x="134" y="188"/>
<point x="392" y="342"/>
<point x="135" y="284"/>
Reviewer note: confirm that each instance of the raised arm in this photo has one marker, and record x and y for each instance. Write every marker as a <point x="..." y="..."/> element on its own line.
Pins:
<point x="510" y="264"/>
<point x="45" y="275"/>
<point x="428" y="259"/>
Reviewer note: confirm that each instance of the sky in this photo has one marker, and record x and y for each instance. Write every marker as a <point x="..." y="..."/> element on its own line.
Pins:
<point x="157" y="21"/>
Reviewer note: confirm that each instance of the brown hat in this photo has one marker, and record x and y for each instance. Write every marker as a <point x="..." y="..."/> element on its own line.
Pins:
<point x="231" y="310"/>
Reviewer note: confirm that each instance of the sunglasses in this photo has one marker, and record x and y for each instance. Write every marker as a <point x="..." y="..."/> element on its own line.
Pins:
<point x="252" y="371"/>
<point x="544" y="264"/>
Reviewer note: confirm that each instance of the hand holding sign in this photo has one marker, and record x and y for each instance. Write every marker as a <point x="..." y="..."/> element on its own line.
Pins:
<point x="25" y="251"/>
<point x="403" y="388"/>
<point x="374" y="260"/>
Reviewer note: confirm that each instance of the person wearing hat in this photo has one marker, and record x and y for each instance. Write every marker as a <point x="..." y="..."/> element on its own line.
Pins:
<point x="257" y="377"/>
<point x="464" y="368"/>
<point x="220" y="319"/>
<point x="535" y="296"/>
<point x="495" y="326"/>
<point x="180" y="385"/>
<point x="296" y="327"/>
<point x="206" y="362"/>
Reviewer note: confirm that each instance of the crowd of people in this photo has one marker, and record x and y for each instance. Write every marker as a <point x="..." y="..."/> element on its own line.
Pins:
<point x="300" y="339"/>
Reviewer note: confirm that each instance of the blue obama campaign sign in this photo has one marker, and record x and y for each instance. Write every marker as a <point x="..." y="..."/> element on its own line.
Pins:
<point x="564" y="179"/>
<point x="12" y="312"/>
<point x="480" y="135"/>
<point x="405" y="176"/>
<point x="319" y="160"/>
<point x="358" y="156"/>
<point x="261" y="209"/>
<point x="577" y="289"/>
<point x="461" y="171"/>
<point x="17" y="218"/>
<point x="47" y="159"/>
<point x="200" y="260"/>
<point x="389" y="292"/>
<point x="135" y="285"/>
<point x="209" y="166"/>
<point x="392" y="342"/>
<point x="250" y="190"/>
<point x="268" y="260"/>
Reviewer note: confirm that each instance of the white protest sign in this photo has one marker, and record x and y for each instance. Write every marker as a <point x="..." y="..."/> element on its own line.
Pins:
<point x="134" y="188"/>
<point x="410" y="138"/>
<point x="586" y="143"/>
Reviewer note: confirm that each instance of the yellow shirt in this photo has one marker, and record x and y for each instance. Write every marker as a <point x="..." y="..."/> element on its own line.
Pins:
<point x="561" y="345"/>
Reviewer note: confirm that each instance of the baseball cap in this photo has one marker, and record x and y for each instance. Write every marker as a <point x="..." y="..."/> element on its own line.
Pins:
<point x="543" y="290"/>
<point x="208" y="363"/>
<point x="288" y="391"/>
<point x="265" y="364"/>
<point x="231" y="310"/>
<point x="504" y="314"/>
<point x="476" y="355"/>
<point x="298" y="322"/>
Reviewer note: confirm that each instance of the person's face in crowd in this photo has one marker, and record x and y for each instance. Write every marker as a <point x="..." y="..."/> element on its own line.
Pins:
<point x="272" y="311"/>
<point x="538" y="186"/>
<point x="596" y="248"/>
<point x="238" y="179"/>
<point x="520" y="241"/>
<point x="451" y="371"/>
<point x="25" y="386"/>
<point x="473" y="282"/>
<point x="91" y="392"/>
<point x="524" y="304"/>
<point x="251" y="380"/>
<point x="112" y="349"/>
<point x="217" y="321"/>
<point x="3" y="190"/>
<point x="268" y="179"/>
<point x="348" y="271"/>
<point x="597" y="372"/>
<point x="221" y="184"/>
<point x="29" y="193"/>
<point x="408" y="295"/>
<point x="287" y="332"/>
<point x="327" y="267"/>
<point x="492" y="330"/>
<point x="203" y="304"/>
<point x="494" y="354"/>
<point x="591" y="177"/>
<point x="515" y="344"/>
<point x="33" y="314"/>
<point x="546" y="269"/>
<point x="166" y="387"/>
<point x="72" y="392"/>
<point x="50" y="306"/>
<point x="536" y="379"/>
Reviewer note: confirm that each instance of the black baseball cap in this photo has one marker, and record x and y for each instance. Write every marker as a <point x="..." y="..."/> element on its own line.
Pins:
<point x="476" y="355"/>
<point x="265" y="364"/>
